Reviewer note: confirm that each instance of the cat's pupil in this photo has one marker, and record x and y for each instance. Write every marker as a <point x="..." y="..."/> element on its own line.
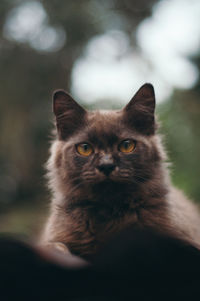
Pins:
<point x="126" y="144"/>
<point x="85" y="147"/>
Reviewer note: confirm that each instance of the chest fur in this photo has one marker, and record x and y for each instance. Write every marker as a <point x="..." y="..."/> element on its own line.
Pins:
<point x="87" y="229"/>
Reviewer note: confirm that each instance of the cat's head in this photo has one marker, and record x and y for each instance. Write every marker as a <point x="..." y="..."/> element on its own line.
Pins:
<point x="102" y="146"/>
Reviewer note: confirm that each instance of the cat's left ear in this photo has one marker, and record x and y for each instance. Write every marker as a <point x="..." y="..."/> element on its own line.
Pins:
<point x="139" y="112"/>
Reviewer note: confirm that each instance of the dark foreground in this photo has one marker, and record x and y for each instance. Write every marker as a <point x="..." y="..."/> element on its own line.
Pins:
<point x="136" y="265"/>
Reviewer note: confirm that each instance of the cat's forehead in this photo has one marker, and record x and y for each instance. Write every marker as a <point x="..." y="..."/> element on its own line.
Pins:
<point x="103" y="126"/>
<point x="104" y="121"/>
<point x="102" y="118"/>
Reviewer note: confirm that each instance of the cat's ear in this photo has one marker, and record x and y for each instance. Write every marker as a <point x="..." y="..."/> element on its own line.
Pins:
<point x="139" y="112"/>
<point x="69" y="114"/>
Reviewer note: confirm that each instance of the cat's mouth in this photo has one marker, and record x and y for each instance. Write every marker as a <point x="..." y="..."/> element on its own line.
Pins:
<point x="115" y="176"/>
<point x="111" y="178"/>
<point x="105" y="177"/>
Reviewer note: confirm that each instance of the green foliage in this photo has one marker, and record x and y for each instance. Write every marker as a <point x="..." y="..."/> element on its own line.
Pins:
<point x="181" y="128"/>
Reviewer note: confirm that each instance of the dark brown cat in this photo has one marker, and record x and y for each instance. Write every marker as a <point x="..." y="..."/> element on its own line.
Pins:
<point x="107" y="171"/>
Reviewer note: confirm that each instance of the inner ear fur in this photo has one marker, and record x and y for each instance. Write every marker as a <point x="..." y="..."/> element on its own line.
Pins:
<point x="69" y="114"/>
<point x="139" y="112"/>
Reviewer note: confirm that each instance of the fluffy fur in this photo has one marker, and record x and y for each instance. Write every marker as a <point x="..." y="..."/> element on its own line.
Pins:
<point x="88" y="207"/>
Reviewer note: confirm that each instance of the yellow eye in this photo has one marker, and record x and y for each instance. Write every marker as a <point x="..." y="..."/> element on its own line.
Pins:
<point x="84" y="149"/>
<point x="127" y="146"/>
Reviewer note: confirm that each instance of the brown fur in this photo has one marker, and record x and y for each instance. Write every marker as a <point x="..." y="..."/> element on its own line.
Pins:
<point x="88" y="207"/>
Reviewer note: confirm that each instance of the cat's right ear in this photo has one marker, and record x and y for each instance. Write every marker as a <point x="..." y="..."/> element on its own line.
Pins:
<point x="69" y="114"/>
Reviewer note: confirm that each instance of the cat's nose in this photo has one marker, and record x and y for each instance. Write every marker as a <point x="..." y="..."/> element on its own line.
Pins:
<point x="106" y="168"/>
<point x="106" y="165"/>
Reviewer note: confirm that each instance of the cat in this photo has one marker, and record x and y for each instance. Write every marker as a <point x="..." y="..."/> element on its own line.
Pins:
<point x="108" y="170"/>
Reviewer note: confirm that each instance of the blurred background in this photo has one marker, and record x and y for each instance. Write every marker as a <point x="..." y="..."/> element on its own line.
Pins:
<point x="102" y="52"/>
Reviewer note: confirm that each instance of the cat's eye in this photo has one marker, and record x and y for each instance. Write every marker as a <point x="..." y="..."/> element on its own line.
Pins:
<point x="127" y="146"/>
<point x="84" y="149"/>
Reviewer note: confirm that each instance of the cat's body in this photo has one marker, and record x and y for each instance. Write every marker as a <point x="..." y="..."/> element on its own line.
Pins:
<point x="107" y="171"/>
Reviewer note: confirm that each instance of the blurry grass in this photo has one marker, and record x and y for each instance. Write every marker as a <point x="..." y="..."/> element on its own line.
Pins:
<point x="24" y="220"/>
